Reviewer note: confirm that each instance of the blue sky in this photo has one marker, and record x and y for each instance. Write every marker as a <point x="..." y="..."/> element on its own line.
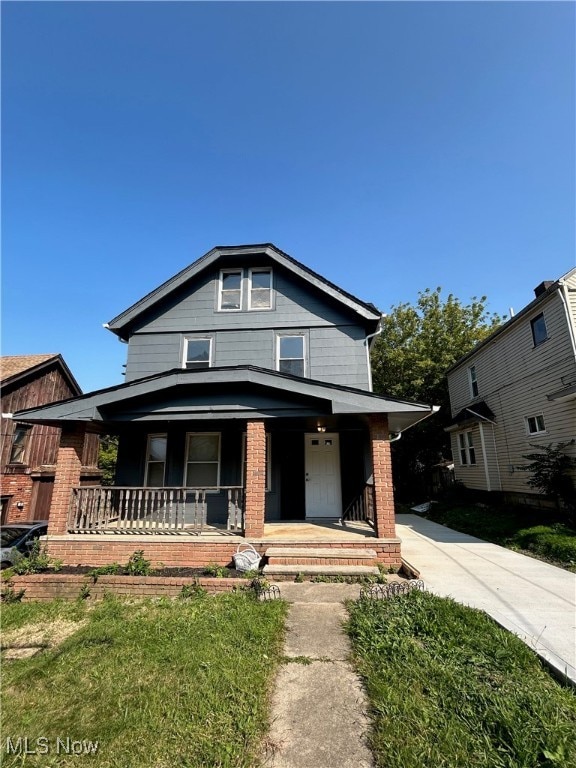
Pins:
<point x="389" y="146"/>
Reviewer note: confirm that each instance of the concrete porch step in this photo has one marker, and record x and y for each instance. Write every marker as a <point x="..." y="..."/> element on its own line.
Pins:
<point x="323" y="556"/>
<point x="319" y="570"/>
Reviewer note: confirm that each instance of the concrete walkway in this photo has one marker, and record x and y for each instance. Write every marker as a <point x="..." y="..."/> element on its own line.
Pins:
<point x="534" y="600"/>
<point x="318" y="706"/>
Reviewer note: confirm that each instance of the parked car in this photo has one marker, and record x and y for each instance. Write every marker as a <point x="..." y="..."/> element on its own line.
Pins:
<point x="16" y="540"/>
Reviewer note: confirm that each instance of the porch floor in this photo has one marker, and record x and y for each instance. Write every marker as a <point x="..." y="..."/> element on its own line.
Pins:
<point x="319" y="529"/>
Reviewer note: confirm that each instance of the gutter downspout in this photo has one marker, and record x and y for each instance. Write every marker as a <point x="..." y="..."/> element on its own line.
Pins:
<point x="484" y="459"/>
<point x="377" y="332"/>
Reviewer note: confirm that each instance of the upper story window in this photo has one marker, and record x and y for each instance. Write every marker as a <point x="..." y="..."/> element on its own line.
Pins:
<point x="535" y="424"/>
<point x="466" y="448"/>
<point x="19" y="444"/>
<point x="155" y="461"/>
<point x="260" y="294"/>
<point x="539" y="331"/>
<point x="202" y="460"/>
<point x="473" y="381"/>
<point x="291" y="355"/>
<point x="230" y="292"/>
<point x="197" y="353"/>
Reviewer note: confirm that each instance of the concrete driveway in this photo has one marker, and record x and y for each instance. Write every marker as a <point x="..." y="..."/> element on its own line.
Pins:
<point x="534" y="600"/>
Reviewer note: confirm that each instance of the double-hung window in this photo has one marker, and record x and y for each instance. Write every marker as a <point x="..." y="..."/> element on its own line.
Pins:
<point x="535" y="424"/>
<point x="466" y="448"/>
<point x="539" y="330"/>
<point x="19" y="444"/>
<point x="197" y="353"/>
<point x="155" y="461"/>
<point x="230" y="294"/>
<point x="202" y="460"/>
<point x="291" y="354"/>
<point x="473" y="381"/>
<point x="260" y="295"/>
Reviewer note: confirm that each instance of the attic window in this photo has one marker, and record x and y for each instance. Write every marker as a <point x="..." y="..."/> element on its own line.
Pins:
<point x="260" y="296"/>
<point x="539" y="331"/>
<point x="19" y="443"/>
<point x="230" y="294"/>
<point x="291" y="355"/>
<point x="197" y="353"/>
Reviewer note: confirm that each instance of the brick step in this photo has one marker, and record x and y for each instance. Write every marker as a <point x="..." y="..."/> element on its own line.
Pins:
<point x="341" y="556"/>
<point x="320" y="570"/>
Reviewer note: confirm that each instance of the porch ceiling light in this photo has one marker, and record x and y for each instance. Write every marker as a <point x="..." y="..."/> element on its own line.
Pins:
<point x="321" y="428"/>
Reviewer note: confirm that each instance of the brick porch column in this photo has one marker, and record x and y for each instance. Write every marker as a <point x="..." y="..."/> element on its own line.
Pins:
<point x="382" y="465"/>
<point x="68" y="471"/>
<point x="255" y="482"/>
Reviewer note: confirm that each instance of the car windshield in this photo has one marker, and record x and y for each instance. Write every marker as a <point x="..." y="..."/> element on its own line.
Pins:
<point x="9" y="535"/>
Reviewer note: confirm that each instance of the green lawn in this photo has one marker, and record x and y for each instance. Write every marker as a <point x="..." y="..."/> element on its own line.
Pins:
<point x="156" y="683"/>
<point x="533" y="531"/>
<point x="450" y="689"/>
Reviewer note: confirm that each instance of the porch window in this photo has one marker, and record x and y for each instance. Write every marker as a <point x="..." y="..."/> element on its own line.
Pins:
<point x="156" y="461"/>
<point x="535" y="424"/>
<point x="473" y="381"/>
<point x="291" y="355"/>
<point x="539" y="330"/>
<point x="230" y="294"/>
<point x="19" y="444"/>
<point x="466" y="447"/>
<point x="197" y="353"/>
<point x="260" y="296"/>
<point x="202" y="460"/>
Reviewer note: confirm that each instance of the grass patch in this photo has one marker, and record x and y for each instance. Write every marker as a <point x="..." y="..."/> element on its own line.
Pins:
<point x="155" y="683"/>
<point x="530" y="530"/>
<point x="449" y="688"/>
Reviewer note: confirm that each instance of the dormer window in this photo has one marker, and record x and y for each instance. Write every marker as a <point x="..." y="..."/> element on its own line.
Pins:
<point x="197" y="353"/>
<point x="230" y="294"/>
<point x="539" y="330"/>
<point x="473" y="381"/>
<point x="260" y="296"/>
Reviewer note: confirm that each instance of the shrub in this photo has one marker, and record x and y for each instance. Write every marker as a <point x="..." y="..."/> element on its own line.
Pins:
<point x="218" y="571"/>
<point x="137" y="565"/>
<point x="36" y="561"/>
<point x="550" y="468"/>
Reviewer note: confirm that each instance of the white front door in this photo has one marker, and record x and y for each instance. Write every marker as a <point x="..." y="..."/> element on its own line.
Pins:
<point x="323" y="492"/>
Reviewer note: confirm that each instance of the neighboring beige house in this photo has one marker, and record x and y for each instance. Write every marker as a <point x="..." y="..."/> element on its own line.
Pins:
<point x="516" y="389"/>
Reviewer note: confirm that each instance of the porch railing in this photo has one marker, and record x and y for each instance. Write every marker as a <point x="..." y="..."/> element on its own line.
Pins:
<point x="362" y="507"/>
<point x="153" y="510"/>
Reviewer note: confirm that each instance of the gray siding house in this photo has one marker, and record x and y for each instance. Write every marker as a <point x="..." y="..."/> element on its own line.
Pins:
<point x="515" y="390"/>
<point x="247" y="402"/>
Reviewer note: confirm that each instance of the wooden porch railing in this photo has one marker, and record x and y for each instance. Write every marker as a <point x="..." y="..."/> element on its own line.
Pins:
<point x="362" y="507"/>
<point x="152" y="510"/>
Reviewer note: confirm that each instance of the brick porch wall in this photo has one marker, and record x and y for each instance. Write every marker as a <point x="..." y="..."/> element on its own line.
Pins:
<point x="19" y="487"/>
<point x="255" y="485"/>
<point x="67" y="477"/>
<point x="383" y="487"/>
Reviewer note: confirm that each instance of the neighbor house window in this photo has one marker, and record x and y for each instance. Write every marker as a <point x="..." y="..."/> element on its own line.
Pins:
<point x="156" y="461"/>
<point x="260" y="296"/>
<point x="539" y="332"/>
<point x="466" y="447"/>
<point x="535" y="424"/>
<point x="230" y="297"/>
<point x="197" y="353"/>
<point x="19" y="443"/>
<point x="473" y="381"/>
<point x="291" y="355"/>
<point x="202" y="460"/>
<point x="268" y="459"/>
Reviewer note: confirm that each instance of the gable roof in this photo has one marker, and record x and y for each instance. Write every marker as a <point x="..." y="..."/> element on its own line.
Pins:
<point x="16" y="368"/>
<point x="551" y="288"/>
<point x="120" y="324"/>
<point x="213" y="393"/>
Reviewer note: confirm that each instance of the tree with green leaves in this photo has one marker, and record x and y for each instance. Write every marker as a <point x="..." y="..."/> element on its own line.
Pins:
<point x="107" y="456"/>
<point x="410" y="358"/>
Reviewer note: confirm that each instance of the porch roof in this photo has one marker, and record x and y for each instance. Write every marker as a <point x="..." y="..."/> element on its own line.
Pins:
<point x="236" y="392"/>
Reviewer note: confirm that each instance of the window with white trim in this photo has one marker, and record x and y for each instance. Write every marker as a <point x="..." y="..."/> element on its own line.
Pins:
<point x="466" y="448"/>
<point x="268" y="459"/>
<point x="19" y="444"/>
<point x="291" y="354"/>
<point x="473" y="381"/>
<point x="535" y="424"/>
<point x="539" y="330"/>
<point x="155" y="461"/>
<point x="230" y="290"/>
<point x="197" y="353"/>
<point x="202" y="460"/>
<point x="260" y="293"/>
